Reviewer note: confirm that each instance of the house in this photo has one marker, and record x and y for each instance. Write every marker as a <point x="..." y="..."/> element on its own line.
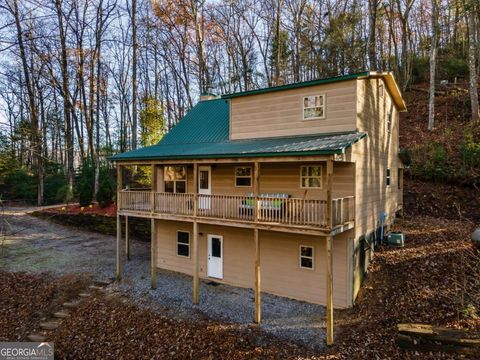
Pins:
<point x="282" y="189"/>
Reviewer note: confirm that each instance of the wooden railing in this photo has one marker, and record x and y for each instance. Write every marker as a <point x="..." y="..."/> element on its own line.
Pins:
<point x="343" y="210"/>
<point x="290" y="211"/>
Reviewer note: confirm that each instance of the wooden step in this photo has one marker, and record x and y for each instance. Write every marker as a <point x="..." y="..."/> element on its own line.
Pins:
<point x="61" y="315"/>
<point x="96" y="288"/>
<point x="424" y="337"/>
<point x="71" y="305"/>
<point x="49" y="325"/>
<point x="102" y="282"/>
<point x="36" y="338"/>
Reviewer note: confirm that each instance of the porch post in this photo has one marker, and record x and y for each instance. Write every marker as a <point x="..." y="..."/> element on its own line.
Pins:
<point x="127" y="240"/>
<point x="256" y="189"/>
<point x="329" y="261"/>
<point x="258" y="310"/>
<point x="195" y="235"/>
<point x="118" y="265"/>
<point x="153" y="239"/>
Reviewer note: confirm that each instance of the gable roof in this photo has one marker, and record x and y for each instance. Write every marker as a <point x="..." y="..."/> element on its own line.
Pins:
<point x="204" y="133"/>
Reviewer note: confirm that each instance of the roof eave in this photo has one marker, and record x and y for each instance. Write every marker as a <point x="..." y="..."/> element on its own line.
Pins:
<point x="392" y="87"/>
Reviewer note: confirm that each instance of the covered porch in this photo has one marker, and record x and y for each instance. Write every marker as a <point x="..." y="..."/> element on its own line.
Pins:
<point x="321" y="216"/>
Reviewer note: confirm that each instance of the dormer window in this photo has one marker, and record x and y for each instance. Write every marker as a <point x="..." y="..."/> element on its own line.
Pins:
<point x="314" y="107"/>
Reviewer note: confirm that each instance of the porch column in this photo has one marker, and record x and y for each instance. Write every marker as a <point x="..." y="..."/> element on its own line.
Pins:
<point x="256" y="189"/>
<point x="127" y="240"/>
<point x="118" y="265"/>
<point x="153" y="239"/>
<point x="195" y="235"/>
<point x="329" y="261"/>
<point x="258" y="310"/>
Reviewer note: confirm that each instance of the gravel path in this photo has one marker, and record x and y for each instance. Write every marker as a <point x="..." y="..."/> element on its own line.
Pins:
<point x="36" y="245"/>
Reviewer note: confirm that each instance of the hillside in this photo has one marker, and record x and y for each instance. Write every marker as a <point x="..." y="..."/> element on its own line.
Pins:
<point x="443" y="179"/>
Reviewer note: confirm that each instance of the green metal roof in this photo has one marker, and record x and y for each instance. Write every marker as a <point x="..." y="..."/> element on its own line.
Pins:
<point x="297" y="85"/>
<point x="207" y="122"/>
<point x="285" y="146"/>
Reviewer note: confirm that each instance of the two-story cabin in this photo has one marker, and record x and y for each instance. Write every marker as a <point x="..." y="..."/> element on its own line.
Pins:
<point x="296" y="181"/>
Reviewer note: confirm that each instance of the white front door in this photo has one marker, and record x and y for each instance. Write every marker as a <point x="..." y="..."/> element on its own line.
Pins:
<point x="204" y="187"/>
<point x="215" y="256"/>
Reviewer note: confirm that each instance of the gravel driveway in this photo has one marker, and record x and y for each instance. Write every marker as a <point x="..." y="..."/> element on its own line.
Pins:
<point x="36" y="245"/>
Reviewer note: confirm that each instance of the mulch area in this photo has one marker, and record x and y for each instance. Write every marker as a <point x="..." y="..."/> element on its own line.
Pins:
<point x="418" y="283"/>
<point x="110" y="211"/>
<point x="26" y="298"/>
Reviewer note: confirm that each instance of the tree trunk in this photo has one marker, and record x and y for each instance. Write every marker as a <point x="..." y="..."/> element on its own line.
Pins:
<point x="472" y="47"/>
<point x="134" y="74"/>
<point x="433" y="61"/>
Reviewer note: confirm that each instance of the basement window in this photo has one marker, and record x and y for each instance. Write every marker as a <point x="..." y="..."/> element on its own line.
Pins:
<point x="306" y="257"/>
<point x="243" y="176"/>
<point x="314" y="107"/>
<point x="388" y="178"/>
<point x="175" y="179"/>
<point x="310" y="177"/>
<point x="183" y="243"/>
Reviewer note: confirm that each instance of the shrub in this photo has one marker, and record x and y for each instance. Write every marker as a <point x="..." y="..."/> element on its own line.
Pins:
<point x="52" y="186"/>
<point x="20" y="185"/>
<point x="106" y="190"/>
<point x="85" y="184"/>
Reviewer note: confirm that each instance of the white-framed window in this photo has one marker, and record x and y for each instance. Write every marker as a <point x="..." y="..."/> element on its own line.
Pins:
<point x="311" y="177"/>
<point x="175" y="179"/>
<point x="314" y="107"/>
<point x="183" y="243"/>
<point x="388" y="178"/>
<point x="306" y="257"/>
<point x="243" y="176"/>
<point x="389" y="122"/>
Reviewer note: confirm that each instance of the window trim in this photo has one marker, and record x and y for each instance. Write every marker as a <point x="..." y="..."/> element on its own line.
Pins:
<point x="381" y="90"/>
<point x="312" y="107"/>
<point x="300" y="256"/>
<point x="177" y="243"/>
<point x="302" y="177"/>
<point x="174" y="180"/>
<point x="244" y="177"/>
<point x="388" y="177"/>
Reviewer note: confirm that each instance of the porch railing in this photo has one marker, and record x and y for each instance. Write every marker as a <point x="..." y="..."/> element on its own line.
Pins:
<point x="289" y="211"/>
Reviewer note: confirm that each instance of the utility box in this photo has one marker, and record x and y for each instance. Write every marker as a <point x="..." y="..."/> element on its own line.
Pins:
<point x="396" y="239"/>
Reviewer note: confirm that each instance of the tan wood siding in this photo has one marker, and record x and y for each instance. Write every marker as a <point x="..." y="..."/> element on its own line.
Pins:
<point x="281" y="113"/>
<point x="280" y="269"/>
<point x="373" y="156"/>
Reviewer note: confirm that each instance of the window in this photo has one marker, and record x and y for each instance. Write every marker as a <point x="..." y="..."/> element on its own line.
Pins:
<point x="311" y="177"/>
<point x="388" y="177"/>
<point x="243" y="176"/>
<point x="306" y="257"/>
<point x="380" y="90"/>
<point x="183" y="243"/>
<point x="389" y="122"/>
<point x="400" y="178"/>
<point x="175" y="179"/>
<point x="314" y="107"/>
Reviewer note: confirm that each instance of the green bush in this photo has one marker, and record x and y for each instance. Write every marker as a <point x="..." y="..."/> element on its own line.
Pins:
<point x="20" y="185"/>
<point x="52" y="185"/>
<point x="106" y="189"/>
<point x="85" y="184"/>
